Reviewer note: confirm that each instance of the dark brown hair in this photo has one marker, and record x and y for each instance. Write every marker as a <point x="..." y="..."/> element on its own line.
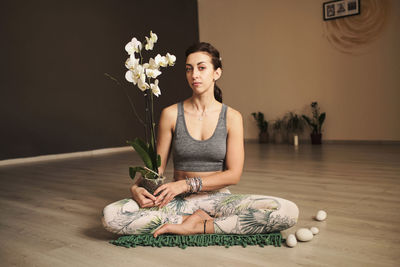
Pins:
<point x="215" y="60"/>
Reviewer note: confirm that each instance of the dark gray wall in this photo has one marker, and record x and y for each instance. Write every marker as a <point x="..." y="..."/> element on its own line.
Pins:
<point x="54" y="97"/>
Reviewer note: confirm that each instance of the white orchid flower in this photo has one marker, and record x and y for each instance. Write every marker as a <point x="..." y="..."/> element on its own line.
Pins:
<point x="153" y="64"/>
<point x="170" y="59"/>
<point x="139" y="74"/>
<point x="132" y="62"/>
<point x="153" y="37"/>
<point x="133" y="46"/>
<point x="136" y="73"/>
<point x="149" y="45"/>
<point x="153" y="73"/>
<point x="129" y="76"/>
<point x="161" y="61"/>
<point x="155" y="89"/>
<point x="142" y="83"/>
<point x="129" y="48"/>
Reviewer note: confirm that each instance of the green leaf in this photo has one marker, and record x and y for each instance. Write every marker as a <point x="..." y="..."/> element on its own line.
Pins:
<point x="142" y="144"/>
<point x="307" y="119"/>
<point x="153" y="157"/>
<point x="322" y="118"/>
<point x="133" y="170"/>
<point x="144" y="154"/>
<point x="313" y="126"/>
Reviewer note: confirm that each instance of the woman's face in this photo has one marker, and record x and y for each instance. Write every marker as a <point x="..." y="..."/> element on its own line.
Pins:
<point x="200" y="72"/>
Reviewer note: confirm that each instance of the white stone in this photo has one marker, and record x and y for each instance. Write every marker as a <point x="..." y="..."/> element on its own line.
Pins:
<point x="321" y="215"/>
<point x="303" y="234"/>
<point x="314" y="230"/>
<point x="291" y="241"/>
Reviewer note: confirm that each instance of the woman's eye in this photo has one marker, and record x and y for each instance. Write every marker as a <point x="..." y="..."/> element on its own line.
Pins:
<point x="188" y="69"/>
<point x="202" y="68"/>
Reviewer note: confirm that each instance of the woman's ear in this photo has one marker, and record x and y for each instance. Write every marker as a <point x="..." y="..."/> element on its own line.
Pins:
<point x="217" y="74"/>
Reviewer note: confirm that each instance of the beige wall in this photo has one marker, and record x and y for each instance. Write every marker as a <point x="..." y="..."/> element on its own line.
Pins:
<point x="279" y="56"/>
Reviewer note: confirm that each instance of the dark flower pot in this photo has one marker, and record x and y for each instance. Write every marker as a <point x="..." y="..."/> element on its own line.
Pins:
<point x="151" y="185"/>
<point x="263" y="137"/>
<point x="316" y="139"/>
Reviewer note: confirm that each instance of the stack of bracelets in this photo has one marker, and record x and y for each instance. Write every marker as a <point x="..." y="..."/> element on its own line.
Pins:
<point x="195" y="184"/>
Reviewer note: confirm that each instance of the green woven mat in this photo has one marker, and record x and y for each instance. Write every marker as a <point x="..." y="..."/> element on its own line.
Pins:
<point x="202" y="240"/>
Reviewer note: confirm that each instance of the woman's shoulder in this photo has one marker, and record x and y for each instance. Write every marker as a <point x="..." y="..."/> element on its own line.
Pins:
<point x="232" y="114"/>
<point x="170" y="112"/>
<point x="171" y="108"/>
<point x="233" y="117"/>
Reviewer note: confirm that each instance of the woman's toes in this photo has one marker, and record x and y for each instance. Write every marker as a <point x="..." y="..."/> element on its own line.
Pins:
<point x="162" y="230"/>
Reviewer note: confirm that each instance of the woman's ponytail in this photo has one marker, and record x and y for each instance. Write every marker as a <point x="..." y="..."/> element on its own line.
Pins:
<point x="217" y="93"/>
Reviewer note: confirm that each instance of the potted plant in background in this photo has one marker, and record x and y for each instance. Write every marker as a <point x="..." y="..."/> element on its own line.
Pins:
<point x="143" y="75"/>
<point x="315" y="123"/>
<point x="277" y="127"/>
<point x="294" y="126"/>
<point x="262" y="125"/>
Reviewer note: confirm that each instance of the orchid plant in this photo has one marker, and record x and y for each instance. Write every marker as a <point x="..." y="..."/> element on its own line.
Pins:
<point x="144" y="76"/>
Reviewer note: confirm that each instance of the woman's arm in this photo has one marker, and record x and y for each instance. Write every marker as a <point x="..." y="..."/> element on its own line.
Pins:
<point x="164" y="137"/>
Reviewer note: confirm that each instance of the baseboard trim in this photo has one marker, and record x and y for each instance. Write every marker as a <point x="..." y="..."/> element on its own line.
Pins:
<point x="103" y="151"/>
<point x="90" y="153"/>
<point x="338" y="142"/>
<point x="361" y="142"/>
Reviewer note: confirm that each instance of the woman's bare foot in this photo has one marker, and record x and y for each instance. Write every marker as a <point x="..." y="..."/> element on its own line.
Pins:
<point x="193" y="224"/>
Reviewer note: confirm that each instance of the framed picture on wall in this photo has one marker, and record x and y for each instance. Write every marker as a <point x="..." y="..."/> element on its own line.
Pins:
<point x="340" y="8"/>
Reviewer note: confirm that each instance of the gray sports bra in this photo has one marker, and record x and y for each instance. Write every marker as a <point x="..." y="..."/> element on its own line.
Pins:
<point x="194" y="155"/>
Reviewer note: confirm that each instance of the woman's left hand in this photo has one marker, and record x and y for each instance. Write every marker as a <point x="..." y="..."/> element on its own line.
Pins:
<point x="168" y="191"/>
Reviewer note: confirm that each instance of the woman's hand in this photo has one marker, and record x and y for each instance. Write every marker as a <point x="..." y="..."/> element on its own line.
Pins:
<point x="143" y="197"/>
<point x="168" y="191"/>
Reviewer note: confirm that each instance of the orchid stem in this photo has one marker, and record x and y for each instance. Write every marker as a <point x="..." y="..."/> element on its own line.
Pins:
<point x="129" y="98"/>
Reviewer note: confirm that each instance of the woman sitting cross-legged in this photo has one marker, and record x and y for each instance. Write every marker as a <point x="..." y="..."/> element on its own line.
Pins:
<point x="206" y="139"/>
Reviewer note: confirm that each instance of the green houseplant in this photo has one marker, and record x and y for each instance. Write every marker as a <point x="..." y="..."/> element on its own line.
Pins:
<point x="315" y="123"/>
<point x="262" y="125"/>
<point x="278" y="127"/>
<point x="144" y="76"/>
<point x="294" y="126"/>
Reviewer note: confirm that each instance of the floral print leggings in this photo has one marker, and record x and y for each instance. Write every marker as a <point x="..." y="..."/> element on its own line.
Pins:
<point x="233" y="213"/>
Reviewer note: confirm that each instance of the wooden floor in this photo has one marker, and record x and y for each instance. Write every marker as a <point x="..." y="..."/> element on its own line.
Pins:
<point x="50" y="211"/>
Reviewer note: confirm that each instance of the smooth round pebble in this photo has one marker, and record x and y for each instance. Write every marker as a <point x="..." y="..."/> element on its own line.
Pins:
<point x="303" y="234"/>
<point x="321" y="215"/>
<point x="291" y="241"/>
<point x="314" y="230"/>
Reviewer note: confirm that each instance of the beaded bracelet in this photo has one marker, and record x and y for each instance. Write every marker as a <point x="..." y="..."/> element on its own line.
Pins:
<point x="195" y="184"/>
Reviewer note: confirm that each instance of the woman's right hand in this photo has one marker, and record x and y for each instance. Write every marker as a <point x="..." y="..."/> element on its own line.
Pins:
<point x="142" y="197"/>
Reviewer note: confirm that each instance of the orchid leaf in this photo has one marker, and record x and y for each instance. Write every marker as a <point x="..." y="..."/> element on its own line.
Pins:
<point x="144" y="145"/>
<point x="134" y="170"/>
<point x="143" y="153"/>
<point x="154" y="159"/>
<point x="158" y="160"/>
